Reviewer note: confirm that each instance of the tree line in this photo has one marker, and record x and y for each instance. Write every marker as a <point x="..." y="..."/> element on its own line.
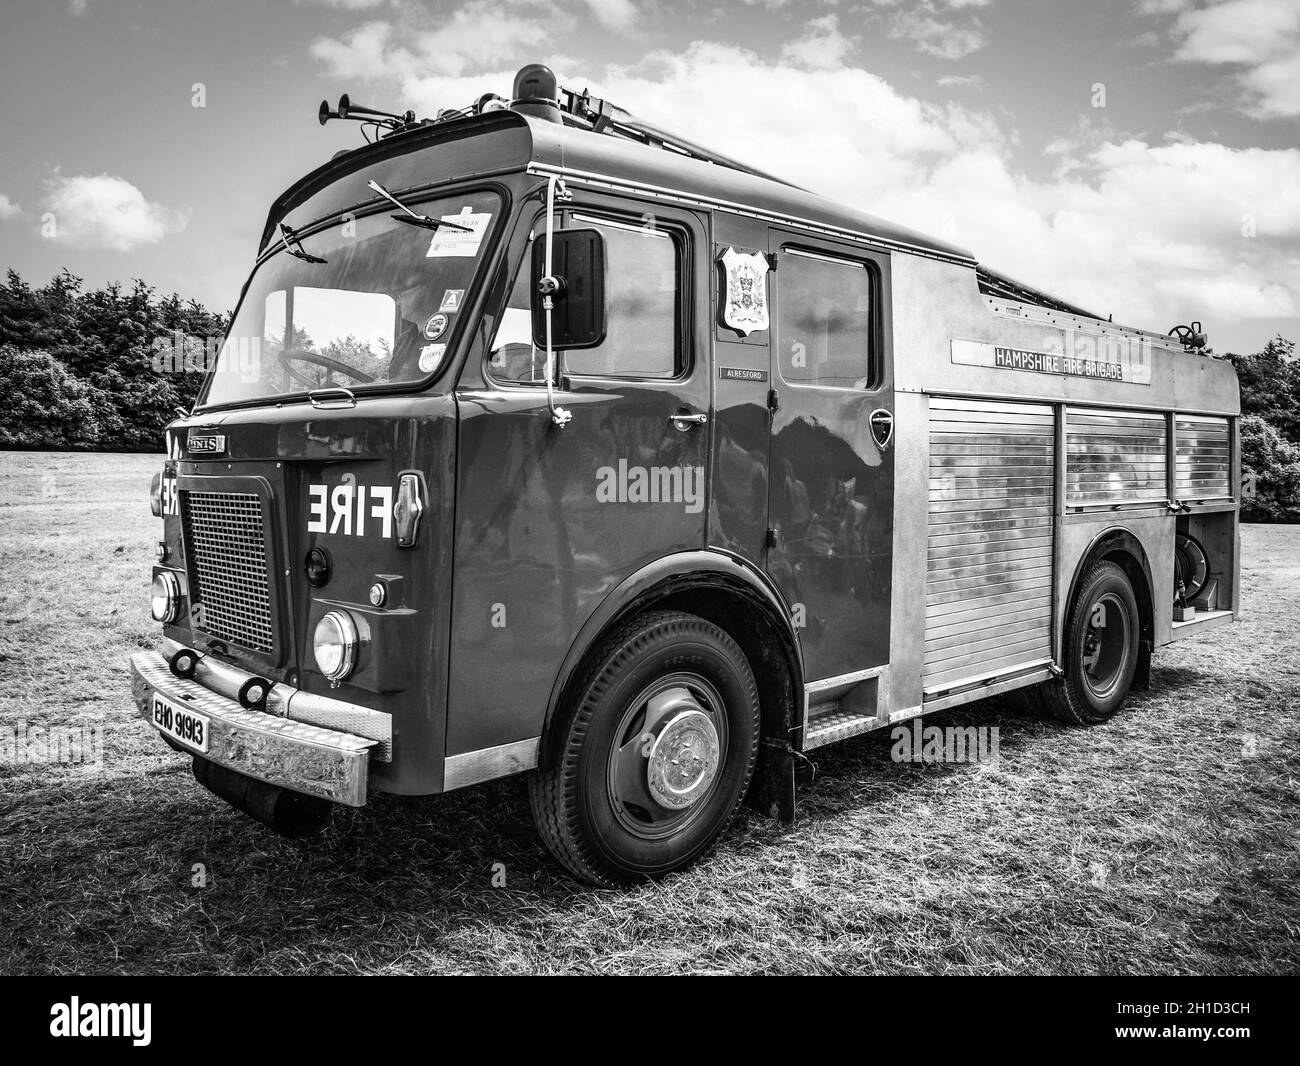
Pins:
<point x="80" y="369"/>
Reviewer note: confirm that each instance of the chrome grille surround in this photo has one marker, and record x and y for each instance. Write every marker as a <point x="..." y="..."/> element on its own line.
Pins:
<point x="226" y="550"/>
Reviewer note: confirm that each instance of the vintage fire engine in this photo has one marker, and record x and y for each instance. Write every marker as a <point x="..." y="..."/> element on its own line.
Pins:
<point x="544" y="441"/>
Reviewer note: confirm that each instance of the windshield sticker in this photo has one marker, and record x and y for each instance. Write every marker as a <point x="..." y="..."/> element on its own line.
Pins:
<point x="460" y="242"/>
<point x="451" y="300"/>
<point x="434" y="327"/>
<point x="430" y="356"/>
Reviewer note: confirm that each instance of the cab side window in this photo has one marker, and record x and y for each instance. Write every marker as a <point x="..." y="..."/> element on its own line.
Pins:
<point x="824" y="326"/>
<point x="642" y="287"/>
<point x="512" y="356"/>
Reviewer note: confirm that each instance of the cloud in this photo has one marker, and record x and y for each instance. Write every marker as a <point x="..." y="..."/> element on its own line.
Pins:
<point x="1238" y="31"/>
<point x="104" y="211"/>
<point x="1275" y="84"/>
<point x="821" y="47"/>
<point x="1154" y="232"/>
<point x="961" y="81"/>
<point x="1149" y="229"/>
<point x="937" y="38"/>
<point x="8" y="209"/>
<point x="346" y="5"/>
<point x="614" y="14"/>
<point x="1259" y="38"/>
<point x="418" y="45"/>
<point x="474" y="36"/>
<point x="946" y="29"/>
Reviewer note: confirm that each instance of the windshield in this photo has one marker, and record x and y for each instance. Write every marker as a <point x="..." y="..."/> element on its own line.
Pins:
<point x="379" y="310"/>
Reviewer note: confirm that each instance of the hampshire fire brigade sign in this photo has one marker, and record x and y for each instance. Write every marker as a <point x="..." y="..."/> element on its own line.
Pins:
<point x="745" y="302"/>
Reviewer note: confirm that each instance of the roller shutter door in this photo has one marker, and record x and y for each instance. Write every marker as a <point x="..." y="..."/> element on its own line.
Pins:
<point x="1204" y="462"/>
<point x="1115" y="457"/>
<point x="989" y="570"/>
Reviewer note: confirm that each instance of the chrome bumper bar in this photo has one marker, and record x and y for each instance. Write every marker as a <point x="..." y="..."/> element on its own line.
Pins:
<point x="293" y="754"/>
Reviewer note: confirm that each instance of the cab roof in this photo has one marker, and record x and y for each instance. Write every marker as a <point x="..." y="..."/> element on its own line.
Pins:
<point x="504" y="140"/>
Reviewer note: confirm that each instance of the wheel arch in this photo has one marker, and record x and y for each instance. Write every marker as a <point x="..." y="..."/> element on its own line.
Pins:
<point x="721" y="587"/>
<point x="1122" y="546"/>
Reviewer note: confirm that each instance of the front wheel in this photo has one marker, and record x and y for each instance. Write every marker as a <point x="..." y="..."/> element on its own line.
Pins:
<point x="1101" y="649"/>
<point x="654" y="752"/>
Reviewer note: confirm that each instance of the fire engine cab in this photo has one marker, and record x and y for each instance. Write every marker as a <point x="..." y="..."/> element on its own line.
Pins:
<point x="545" y="441"/>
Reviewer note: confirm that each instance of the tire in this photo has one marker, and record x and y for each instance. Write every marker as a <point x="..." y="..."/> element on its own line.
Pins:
<point x="1191" y="565"/>
<point x="618" y="804"/>
<point x="1100" y="661"/>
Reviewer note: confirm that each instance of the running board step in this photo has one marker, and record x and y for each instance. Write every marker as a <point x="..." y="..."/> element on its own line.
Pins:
<point x="841" y="707"/>
<point x="829" y="723"/>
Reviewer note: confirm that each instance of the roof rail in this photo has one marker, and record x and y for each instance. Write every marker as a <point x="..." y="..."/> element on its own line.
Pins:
<point x="584" y="111"/>
<point x="991" y="283"/>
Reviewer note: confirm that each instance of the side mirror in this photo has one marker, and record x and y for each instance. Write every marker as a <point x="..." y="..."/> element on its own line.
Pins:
<point x="575" y="287"/>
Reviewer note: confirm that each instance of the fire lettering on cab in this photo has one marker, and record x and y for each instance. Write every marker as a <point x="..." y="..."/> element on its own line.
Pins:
<point x="351" y="510"/>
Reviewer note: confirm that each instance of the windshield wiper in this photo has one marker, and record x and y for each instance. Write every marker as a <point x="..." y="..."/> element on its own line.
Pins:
<point x="411" y="218"/>
<point x="295" y="248"/>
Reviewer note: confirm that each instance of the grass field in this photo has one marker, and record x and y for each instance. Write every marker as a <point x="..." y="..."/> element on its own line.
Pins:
<point x="1165" y="842"/>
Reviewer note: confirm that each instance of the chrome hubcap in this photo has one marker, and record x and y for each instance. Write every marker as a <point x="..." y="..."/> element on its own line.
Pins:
<point x="667" y="756"/>
<point x="684" y="760"/>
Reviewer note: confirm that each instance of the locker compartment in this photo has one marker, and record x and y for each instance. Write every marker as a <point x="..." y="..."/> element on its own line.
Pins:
<point x="1204" y="547"/>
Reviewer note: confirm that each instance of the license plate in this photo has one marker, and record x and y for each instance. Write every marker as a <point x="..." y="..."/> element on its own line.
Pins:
<point x="181" y="724"/>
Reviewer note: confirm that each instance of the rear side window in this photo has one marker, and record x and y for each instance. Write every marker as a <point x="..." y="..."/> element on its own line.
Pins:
<point x="642" y="286"/>
<point x="824" y="325"/>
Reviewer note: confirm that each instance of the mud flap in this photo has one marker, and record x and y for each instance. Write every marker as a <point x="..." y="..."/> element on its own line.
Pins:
<point x="1142" y="674"/>
<point x="772" y="791"/>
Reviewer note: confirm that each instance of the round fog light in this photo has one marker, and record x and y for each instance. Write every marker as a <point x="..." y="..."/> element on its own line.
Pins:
<point x="335" y="645"/>
<point x="165" y="596"/>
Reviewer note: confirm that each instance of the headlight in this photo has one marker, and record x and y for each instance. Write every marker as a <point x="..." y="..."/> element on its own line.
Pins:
<point x="155" y="495"/>
<point x="165" y="597"/>
<point x="335" y="645"/>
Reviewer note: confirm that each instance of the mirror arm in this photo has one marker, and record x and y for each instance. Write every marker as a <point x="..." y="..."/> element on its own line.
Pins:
<point x="559" y="415"/>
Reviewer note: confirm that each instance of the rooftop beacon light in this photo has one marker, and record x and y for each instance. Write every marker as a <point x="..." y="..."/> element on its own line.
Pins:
<point x="537" y="93"/>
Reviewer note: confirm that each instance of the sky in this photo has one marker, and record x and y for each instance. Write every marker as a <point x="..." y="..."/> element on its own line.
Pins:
<point x="1137" y="157"/>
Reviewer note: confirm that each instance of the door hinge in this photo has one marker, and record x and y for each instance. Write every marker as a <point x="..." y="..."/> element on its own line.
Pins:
<point x="773" y="538"/>
<point x="773" y="400"/>
<point x="771" y="260"/>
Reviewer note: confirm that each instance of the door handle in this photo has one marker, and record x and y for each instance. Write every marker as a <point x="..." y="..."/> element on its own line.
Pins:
<point x="684" y="422"/>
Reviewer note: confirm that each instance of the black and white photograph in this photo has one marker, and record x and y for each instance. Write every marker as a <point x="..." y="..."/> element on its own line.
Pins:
<point x="628" y="488"/>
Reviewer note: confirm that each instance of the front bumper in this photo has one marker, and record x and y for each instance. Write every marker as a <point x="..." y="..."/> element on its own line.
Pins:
<point x="281" y="751"/>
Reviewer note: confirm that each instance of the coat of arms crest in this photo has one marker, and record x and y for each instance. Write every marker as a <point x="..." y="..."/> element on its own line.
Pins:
<point x="745" y="302"/>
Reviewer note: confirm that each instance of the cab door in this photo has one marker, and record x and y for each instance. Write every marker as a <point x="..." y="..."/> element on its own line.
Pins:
<point x="831" y="484"/>
<point x="550" y="519"/>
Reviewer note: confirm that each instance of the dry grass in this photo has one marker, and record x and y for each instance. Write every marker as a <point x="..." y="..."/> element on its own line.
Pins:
<point x="1157" y="844"/>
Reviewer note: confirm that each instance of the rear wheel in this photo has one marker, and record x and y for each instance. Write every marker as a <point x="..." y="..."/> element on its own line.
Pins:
<point x="654" y="753"/>
<point x="1101" y="649"/>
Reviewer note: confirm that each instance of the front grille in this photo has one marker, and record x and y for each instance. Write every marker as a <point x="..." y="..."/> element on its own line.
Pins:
<point x="229" y="571"/>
